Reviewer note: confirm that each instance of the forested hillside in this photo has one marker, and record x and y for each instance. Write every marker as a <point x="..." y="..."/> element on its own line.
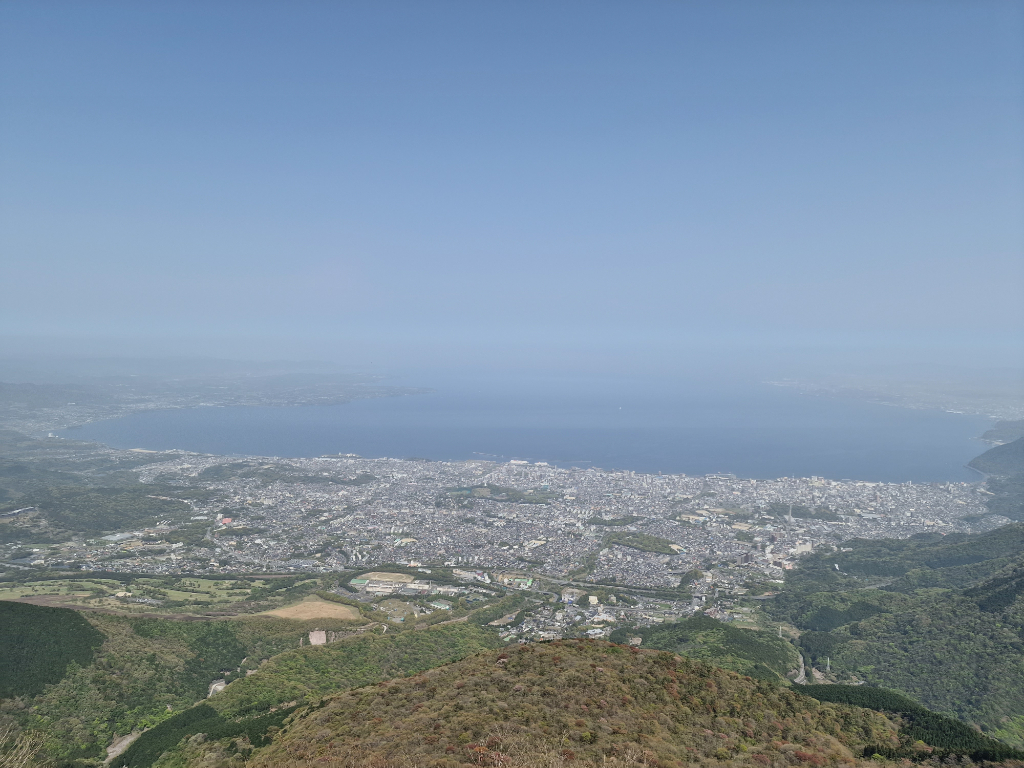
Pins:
<point x="578" y="703"/>
<point x="1007" y="497"/>
<point x="939" y="618"/>
<point x="315" y="671"/>
<point x="1006" y="459"/>
<point x="37" y="645"/>
<point x="1006" y="487"/>
<point x="747" y="651"/>
<point x="307" y="673"/>
<point x="92" y="677"/>
<point x="918" y="725"/>
<point x="61" y="510"/>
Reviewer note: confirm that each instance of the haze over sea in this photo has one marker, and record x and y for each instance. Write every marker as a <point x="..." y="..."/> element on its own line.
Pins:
<point x="749" y="429"/>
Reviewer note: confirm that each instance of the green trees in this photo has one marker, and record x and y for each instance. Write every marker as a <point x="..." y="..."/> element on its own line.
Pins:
<point x="139" y="672"/>
<point x="96" y="510"/>
<point x="38" y="644"/>
<point x="949" y="736"/>
<point x="644" y="542"/>
<point x="943" y="624"/>
<point x="1006" y="459"/>
<point x="203" y="719"/>
<point x="254" y="704"/>
<point x="309" y="672"/>
<point x="1008" y="496"/>
<point x="747" y="651"/>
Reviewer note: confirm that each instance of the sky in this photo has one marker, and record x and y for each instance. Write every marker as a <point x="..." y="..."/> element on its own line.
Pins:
<point x="552" y="184"/>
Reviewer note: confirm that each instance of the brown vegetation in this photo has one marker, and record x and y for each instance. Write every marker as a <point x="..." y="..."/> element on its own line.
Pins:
<point x="405" y="578"/>
<point x="315" y="608"/>
<point x="579" y="704"/>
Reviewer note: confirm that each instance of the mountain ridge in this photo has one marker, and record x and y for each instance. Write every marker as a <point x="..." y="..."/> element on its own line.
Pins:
<point x="574" y="702"/>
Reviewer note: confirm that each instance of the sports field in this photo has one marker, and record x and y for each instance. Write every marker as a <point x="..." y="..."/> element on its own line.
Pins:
<point x="405" y="578"/>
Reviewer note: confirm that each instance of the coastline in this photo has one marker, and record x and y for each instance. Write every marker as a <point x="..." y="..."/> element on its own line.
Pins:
<point x="286" y="432"/>
<point x="1003" y="407"/>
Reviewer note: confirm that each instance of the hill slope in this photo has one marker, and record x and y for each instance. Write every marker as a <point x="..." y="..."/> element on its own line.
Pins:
<point x="1006" y="459"/>
<point x="747" y="651"/>
<point x="77" y="680"/>
<point x="312" y="672"/>
<point x="37" y="644"/>
<point x="1007" y="497"/>
<point x="917" y="724"/>
<point x="938" y="618"/>
<point x="580" y="703"/>
<point x="252" y="704"/>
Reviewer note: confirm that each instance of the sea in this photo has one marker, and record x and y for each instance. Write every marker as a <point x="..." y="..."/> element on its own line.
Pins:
<point x="745" y="428"/>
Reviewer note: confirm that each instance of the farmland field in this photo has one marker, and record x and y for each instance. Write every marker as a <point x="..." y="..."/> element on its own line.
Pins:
<point x="315" y="608"/>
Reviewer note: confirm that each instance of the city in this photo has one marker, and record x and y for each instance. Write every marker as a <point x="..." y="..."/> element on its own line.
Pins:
<point x="668" y="545"/>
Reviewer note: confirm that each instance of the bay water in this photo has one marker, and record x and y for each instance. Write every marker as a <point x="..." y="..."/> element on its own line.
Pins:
<point x="749" y="429"/>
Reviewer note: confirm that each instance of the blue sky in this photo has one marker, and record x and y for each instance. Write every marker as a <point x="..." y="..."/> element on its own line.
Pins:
<point x="389" y="181"/>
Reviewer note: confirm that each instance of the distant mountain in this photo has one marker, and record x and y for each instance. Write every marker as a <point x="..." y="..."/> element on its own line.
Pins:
<point x="1007" y="459"/>
<point x="1005" y="465"/>
<point x="1005" y="431"/>
<point x="581" y="704"/>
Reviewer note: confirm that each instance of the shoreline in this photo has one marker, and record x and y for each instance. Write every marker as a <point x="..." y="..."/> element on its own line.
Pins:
<point x="62" y="423"/>
<point x="975" y="475"/>
<point x="526" y="463"/>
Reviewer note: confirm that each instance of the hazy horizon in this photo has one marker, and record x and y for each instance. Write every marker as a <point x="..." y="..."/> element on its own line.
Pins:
<point x="795" y="188"/>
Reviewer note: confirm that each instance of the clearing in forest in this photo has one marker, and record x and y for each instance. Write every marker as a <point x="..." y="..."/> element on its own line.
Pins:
<point x="316" y="608"/>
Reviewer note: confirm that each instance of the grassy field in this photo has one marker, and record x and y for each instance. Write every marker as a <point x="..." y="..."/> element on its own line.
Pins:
<point x="154" y="595"/>
<point x="315" y="608"/>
